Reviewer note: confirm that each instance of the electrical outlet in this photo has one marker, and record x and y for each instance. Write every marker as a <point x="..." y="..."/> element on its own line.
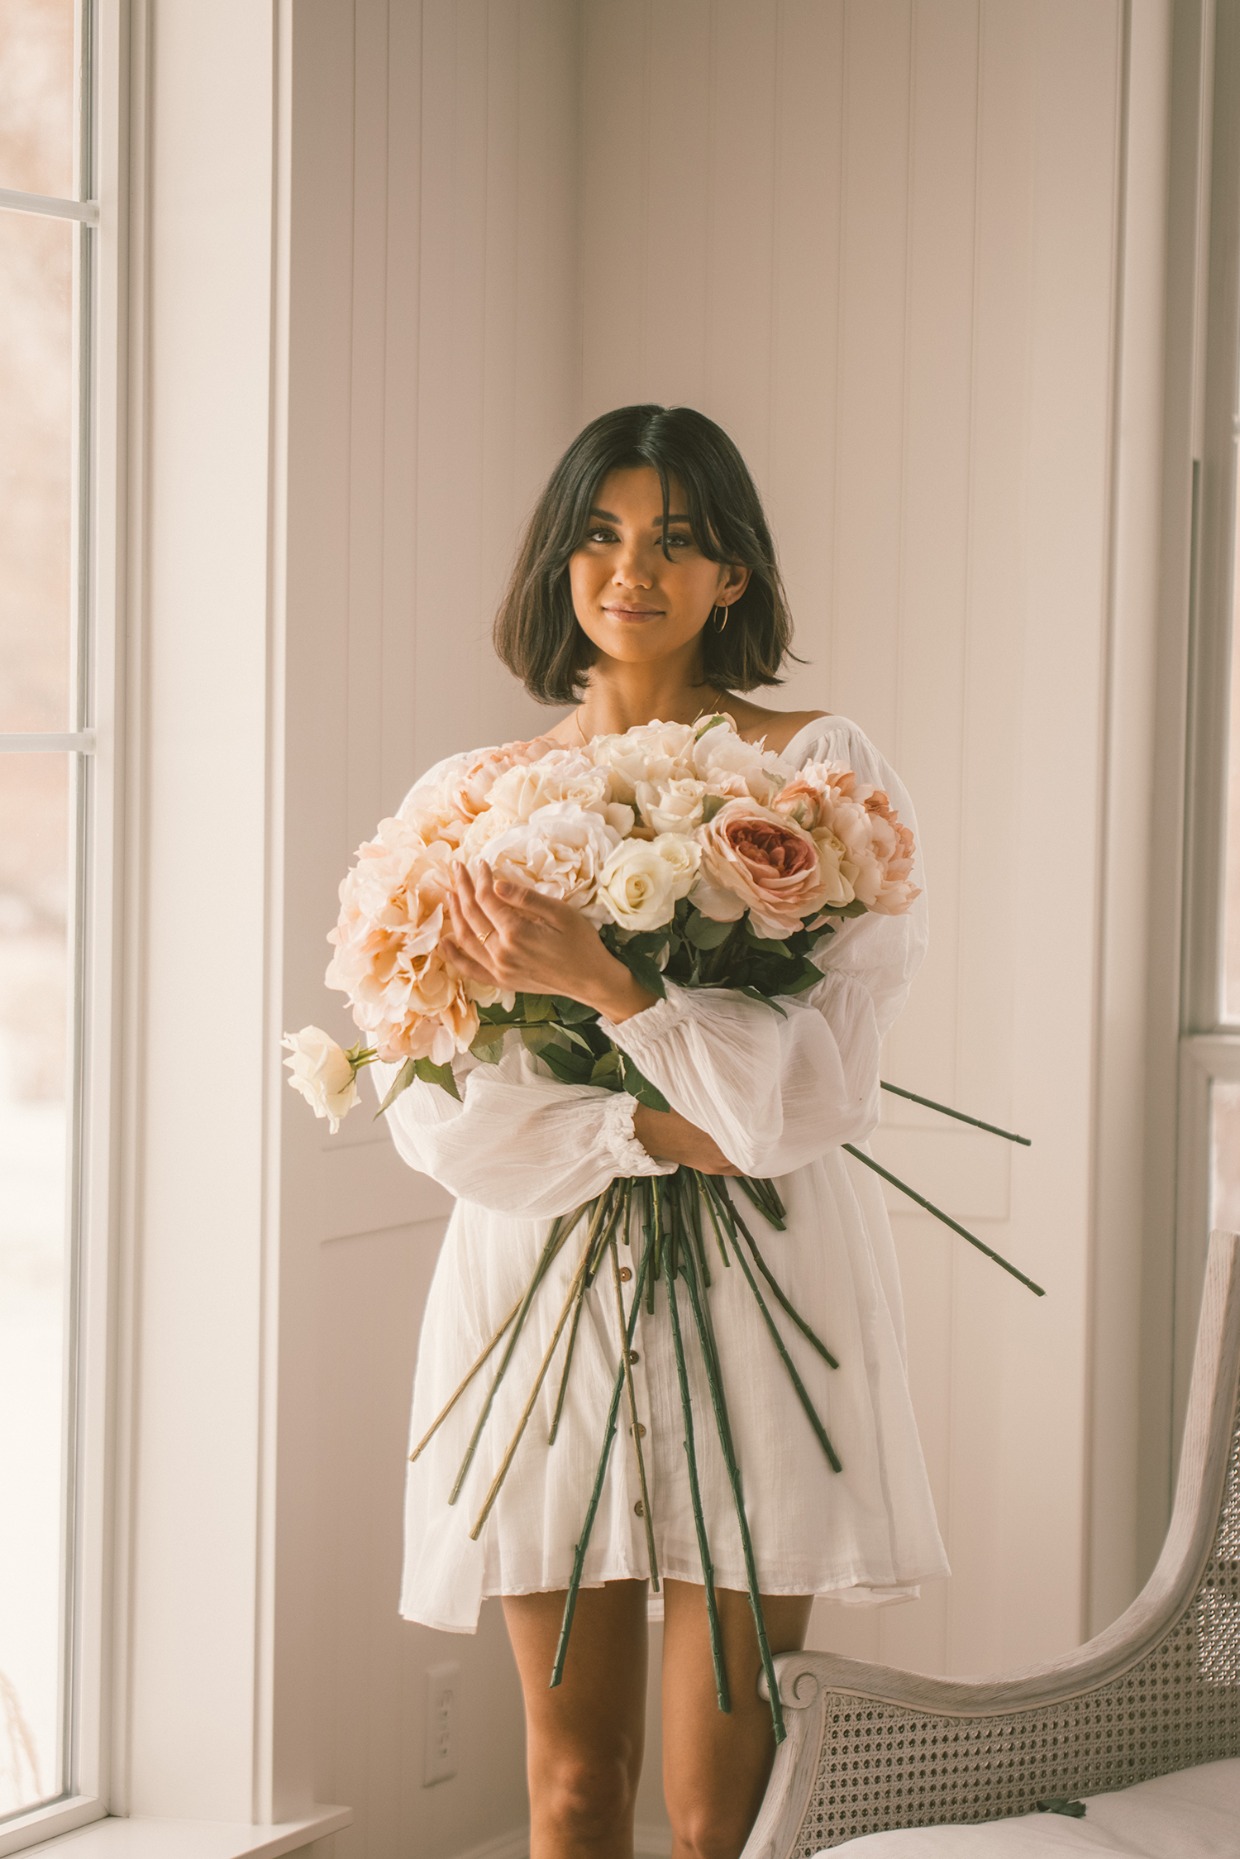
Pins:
<point x="442" y="1690"/>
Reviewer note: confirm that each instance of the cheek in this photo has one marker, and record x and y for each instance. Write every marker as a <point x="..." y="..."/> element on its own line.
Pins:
<point x="584" y="574"/>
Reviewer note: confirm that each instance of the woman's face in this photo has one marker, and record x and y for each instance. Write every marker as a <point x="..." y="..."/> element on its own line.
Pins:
<point x="634" y="603"/>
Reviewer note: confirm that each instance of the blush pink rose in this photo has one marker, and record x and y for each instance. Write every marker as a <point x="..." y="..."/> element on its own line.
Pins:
<point x="467" y="789"/>
<point x="393" y="911"/>
<point x="758" y="860"/>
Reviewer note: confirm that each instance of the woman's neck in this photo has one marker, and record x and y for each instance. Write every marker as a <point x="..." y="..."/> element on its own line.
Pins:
<point x="612" y="705"/>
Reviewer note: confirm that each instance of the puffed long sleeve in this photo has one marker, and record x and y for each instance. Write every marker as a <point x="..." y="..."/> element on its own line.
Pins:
<point x="774" y="1092"/>
<point x="517" y="1142"/>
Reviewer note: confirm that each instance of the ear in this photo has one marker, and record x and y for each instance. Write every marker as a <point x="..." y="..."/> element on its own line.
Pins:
<point x="735" y="580"/>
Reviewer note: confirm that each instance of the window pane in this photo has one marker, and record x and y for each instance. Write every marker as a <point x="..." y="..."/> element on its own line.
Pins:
<point x="34" y="1276"/>
<point x="36" y="501"/>
<point x="36" y="96"/>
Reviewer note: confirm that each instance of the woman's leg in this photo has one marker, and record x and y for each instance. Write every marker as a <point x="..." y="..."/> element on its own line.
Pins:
<point x="584" y="1739"/>
<point x="716" y="1764"/>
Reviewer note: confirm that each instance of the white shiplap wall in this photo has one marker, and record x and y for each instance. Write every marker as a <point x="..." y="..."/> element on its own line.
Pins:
<point x="433" y="313"/>
<point x="879" y="240"/>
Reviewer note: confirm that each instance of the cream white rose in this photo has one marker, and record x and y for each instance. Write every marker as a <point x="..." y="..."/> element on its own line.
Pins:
<point x="674" y="805"/>
<point x="561" y="774"/>
<point x="560" y="850"/>
<point x="683" y="855"/>
<point x="636" y="886"/>
<point x="321" y="1071"/>
<point x="728" y="764"/>
<point x="651" y="752"/>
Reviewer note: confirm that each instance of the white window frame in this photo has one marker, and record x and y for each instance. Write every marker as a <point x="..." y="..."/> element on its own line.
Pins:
<point x="97" y="570"/>
<point x="1209" y="1047"/>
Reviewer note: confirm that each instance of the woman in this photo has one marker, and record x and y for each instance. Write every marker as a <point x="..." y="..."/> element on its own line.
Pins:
<point x="646" y="587"/>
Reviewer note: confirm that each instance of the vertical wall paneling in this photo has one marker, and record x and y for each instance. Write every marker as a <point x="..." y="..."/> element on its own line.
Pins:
<point x="433" y="378"/>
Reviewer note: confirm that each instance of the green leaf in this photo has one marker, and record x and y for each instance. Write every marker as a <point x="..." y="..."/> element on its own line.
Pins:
<point x="570" y="1012"/>
<point x="568" y="1067"/>
<point x="706" y="932"/>
<point x="607" y="1067"/>
<point x="713" y="722"/>
<point x="768" y="1000"/>
<point x="577" y="1039"/>
<point x="538" y="1007"/>
<point x="642" y="969"/>
<point x="711" y="806"/>
<point x="401" y="1082"/>
<point x="806" y="976"/>
<point x="489" y="1034"/>
<point x="639" y="1087"/>
<point x="441" y="1075"/>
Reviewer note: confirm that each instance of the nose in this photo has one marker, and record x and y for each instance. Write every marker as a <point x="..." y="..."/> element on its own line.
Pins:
<point x="632" y="566"/>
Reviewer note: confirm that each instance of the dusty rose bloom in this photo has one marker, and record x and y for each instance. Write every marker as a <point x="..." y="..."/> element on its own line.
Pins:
<point x="757" y="860"/>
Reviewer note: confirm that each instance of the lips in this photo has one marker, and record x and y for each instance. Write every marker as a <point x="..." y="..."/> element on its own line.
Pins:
<point x="633" y="612"/>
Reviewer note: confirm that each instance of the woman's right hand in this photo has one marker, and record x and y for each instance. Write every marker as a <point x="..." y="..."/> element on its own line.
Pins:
<point x="669" y="1137"/>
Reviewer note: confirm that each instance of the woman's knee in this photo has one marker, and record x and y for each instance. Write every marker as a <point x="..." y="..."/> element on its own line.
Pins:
<point x="710" y="1830"/>
<point x="588" y="1792"/>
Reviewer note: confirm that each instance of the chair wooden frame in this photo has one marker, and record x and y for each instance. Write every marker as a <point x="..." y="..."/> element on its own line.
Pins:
<point x="871" y="1748"/>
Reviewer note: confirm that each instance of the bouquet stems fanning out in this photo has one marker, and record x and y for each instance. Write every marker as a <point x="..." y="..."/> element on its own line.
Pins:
<point x="702" y="860"/>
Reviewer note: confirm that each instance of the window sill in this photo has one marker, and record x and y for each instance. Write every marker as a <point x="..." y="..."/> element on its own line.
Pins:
<point x="156" y="1838"/>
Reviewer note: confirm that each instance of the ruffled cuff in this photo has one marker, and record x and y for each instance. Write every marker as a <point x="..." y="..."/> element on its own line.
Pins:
<point x="629" y="1155"/>
<point x="641" y="1031"/>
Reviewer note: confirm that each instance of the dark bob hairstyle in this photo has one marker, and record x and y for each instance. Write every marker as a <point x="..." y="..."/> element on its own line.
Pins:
<point x="536" y="631"/>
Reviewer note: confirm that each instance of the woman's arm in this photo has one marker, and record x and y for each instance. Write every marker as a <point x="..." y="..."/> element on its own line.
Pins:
<point x="775" y="1092"/>
<point x="519" y="1144"/>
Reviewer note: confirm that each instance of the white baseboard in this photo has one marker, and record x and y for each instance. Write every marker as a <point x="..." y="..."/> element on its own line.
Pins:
<point x="649" y="1842"/>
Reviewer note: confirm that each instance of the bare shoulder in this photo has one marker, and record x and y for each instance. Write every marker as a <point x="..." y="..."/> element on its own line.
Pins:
<point x="778" y="727"/>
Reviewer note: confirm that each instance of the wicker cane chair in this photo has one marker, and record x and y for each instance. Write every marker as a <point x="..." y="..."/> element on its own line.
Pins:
<point x="870" y="1748"/>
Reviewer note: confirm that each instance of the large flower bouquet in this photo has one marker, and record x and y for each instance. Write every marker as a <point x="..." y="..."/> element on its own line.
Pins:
<point x="701" y="859"/>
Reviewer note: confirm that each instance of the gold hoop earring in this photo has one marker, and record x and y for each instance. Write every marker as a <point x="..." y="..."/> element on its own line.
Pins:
<point x="721" y="608"/>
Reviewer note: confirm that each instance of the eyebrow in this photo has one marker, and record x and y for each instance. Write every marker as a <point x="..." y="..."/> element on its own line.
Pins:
<point x="673" y="516"/>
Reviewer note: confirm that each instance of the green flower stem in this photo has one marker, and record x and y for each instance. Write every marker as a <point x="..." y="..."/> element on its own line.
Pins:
<point x="574" y="1294"/>
<point x="723" y="1428"/>
<point x="708" y="1569"/>
<point x="947" y="1220"/>
<point x="946" y="1109"/>
<point x="568" y="1362"/>
<point x="485" y="1357"/>
<point x="708" y="1196"/>
<point x="811" y="1412"/>
<point x="559" y="1232"/>
<point x="788" y="1308"/>
<point x="765" y="1197"/>
<point x="579" y="1556"/>
<point x="635" y="1424"/>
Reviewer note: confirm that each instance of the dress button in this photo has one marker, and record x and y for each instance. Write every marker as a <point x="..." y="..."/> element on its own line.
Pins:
<point x="639" y="1429"/>
<point x="625" y="1273"/>
<point x="633" y="1356"/>
<point x="639" y="1509"/>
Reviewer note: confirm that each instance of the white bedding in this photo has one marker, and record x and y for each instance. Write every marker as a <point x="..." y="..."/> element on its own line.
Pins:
<point x="1194" y="1814"/>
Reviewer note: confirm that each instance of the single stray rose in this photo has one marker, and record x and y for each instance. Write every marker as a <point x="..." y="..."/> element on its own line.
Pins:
<point x="757" y="860"/>
<point x="322" y="1072"/>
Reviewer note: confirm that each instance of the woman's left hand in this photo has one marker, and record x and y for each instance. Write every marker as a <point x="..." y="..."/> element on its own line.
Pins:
<point x="510" y="936"/>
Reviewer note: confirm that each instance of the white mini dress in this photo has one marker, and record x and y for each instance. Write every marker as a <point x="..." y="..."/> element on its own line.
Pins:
<point x="779" y="1095"/>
